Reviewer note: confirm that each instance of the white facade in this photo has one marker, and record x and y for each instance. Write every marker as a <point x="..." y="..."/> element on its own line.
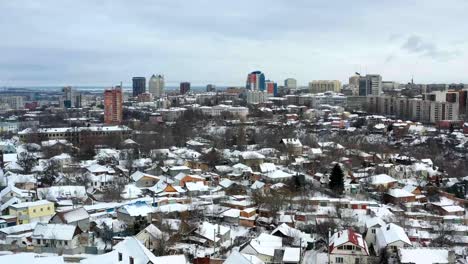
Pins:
<point x="290" y="83"/>
<point x="255" y="97"/>
<point x="217" y="110"/>
<point x="156" y="85"/>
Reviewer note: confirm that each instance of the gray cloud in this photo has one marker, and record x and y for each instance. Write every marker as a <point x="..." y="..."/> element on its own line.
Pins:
<point x="418" y="45"/>
<point x="104" y="42"/>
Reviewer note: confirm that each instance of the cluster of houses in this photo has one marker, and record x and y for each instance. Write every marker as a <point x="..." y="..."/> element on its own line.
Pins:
<point x="201" y="204"/>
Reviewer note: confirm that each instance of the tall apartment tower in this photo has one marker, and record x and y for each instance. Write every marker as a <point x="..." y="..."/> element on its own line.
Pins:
<point x="70" y="98"/>
<point x="211" y="88"/>
<point x="256" y="81"/>
<point x="322" y="86"/>
<point x="184" y="87"/>
<point x="156" y="85"/>
<point x="139" y="85"/>
<point x="371" y="84"/>
<point x="113" y="101"/>
<point x="290" y="83"/>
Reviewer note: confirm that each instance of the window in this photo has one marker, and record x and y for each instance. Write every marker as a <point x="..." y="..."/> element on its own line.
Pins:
<point x="356" y="261"/>
<point x="48" y="208"/>
<point x="339" y="260"/>
<point x="65" y="243"/>
<point x="341" y="247"/>
<point x="131" y="260"/>
<point x="120" y="256"/>
<point x="373" y="231"/>
<point x="34" y="210"/>
<point x="42" y="209"/>
<point x="349" y="247"/>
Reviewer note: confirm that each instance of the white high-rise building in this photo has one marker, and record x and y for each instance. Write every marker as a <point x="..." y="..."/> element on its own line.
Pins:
<point x="290" y="83"/>
<point x="156" y="86"/>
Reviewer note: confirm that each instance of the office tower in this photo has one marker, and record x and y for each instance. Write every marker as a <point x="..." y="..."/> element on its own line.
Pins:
<point x="67" y="97"/>
<point x="290" y="83"/>
<point x="271" y="88"/>
<point x="184" y="87"/>
<point x="113" y="101"/>
<point x="322" y="86"/>
<point x="139" y="85"/>
<point x="156" y="85"/>
<point x="370" y="84"/>
<point x="255" y="81"/>
<point x="70" y="98"/>
<point x="211" y="88"/>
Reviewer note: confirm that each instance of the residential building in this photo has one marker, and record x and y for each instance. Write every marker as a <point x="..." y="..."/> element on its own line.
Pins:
<point x="57" y="237"/>
<point x="322" y="86"/>
<point x="13" y="102"/>
<point x="348" y="247"/>
<point x="271" y="88"/>
<point x="138" y="85"/>
<point x="210" y="88"/>
<point x="28" y="212"/>
<point x="256" y="97"/>
<point x="184" y="87"/>
<point x="256" y="81"/>
<point x="156" y="85"/>
<point x="113" y="108"/>
<point x="290" y="83"/>
<point x="78" y="135"/>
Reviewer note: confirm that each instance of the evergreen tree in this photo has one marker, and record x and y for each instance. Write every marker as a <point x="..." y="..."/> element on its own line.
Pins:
<point x="337" y="179"/>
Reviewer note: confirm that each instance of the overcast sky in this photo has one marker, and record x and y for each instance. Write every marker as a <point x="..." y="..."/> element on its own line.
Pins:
<point x="83" y="42"/>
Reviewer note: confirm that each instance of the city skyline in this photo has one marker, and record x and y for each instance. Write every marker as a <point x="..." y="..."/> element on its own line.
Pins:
<point x="219" y="43"/>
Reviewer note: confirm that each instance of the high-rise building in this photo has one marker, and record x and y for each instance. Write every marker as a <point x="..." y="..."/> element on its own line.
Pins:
<point x="322" y="86"/>
<point x="139" y="85"/>
<point x="113" y="101"/>
<point x="211" y="88"/>
<point x="255" y="81"/>
<point x="371" y="84"/>
<point x="156" y="85"/>
<point x="271" y="88"/>
<point x="290" y="83"/>
<point x="70" y="98"/>
<point x="354" y="80"/>
<point x="13" y="102"/>
<point x="184" y="87"/>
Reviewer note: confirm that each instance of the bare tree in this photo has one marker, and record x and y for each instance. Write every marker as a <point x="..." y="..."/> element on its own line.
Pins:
<point x="27" y="161"/>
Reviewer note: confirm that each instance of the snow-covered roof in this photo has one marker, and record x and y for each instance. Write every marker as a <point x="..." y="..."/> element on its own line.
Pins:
<point x="278" y="174"/>
<point x="31" y="258"/>
<point x="73" y="215"/>
<point x="267" y="167"/>
<point x="54" y="231"/>
<point x="238" y="258"/>
<point x="341" y="237"/>
<point x="30" y="204"/>
<point x="251" y="155"/>
<point x="136" y="209"/>
<point x="423" y="255"/>
<point x="209" y="230"/>
<point x="292" y="255"/>
<point x="391" y="233"/>
<point x="131" y="247"/>
<point x="381" y="179"/>
<point x="398" y="193"/>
